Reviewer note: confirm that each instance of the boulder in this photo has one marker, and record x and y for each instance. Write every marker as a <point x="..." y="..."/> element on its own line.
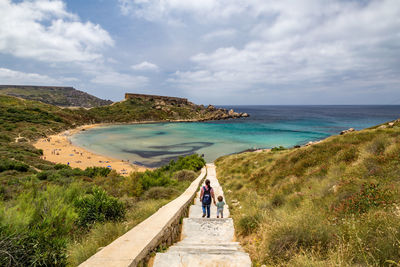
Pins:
<point x="211" y="108"/>
<point x="347" y="131"/>
<point x="158" y="107"/>
<point x="391" y="124"/>
<point x="231" y="112"/>
<point x="245" y="115"/>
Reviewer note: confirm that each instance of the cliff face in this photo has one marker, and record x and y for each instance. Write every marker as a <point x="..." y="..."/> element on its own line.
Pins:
<point x="58" y="96"/>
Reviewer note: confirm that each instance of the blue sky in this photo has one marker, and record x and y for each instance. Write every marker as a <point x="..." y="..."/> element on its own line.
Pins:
<point x="211" y="51"/>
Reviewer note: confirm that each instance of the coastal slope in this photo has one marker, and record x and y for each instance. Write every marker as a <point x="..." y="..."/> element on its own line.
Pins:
<point x="333" y="203"/>
<point x="54" y="95"/>
<point x="56" y="215"/>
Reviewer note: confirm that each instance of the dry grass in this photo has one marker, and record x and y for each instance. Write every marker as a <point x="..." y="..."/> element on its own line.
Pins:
<point x="330" y="204"/>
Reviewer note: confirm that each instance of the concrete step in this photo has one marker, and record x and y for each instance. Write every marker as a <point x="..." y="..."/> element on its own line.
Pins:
<point x="205" y="248"/>
<point x="176" y="259"/>
<point x="206" y="242"/>
<point x="208" y="229"/>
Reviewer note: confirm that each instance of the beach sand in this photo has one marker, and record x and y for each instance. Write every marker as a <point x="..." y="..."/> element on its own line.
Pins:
<point x="59" y="149"/>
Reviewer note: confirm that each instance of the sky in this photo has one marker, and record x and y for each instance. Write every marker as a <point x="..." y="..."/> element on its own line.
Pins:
<point x="224" y="52"/>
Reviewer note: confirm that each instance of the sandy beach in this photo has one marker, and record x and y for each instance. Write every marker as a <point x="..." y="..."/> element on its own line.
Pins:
<point x="59" y="149"/>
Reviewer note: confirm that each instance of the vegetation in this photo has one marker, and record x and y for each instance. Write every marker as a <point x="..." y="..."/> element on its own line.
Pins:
<point x="335" y="203"/>
<point x="55" y="215"/>
<point x="58" y="96"/>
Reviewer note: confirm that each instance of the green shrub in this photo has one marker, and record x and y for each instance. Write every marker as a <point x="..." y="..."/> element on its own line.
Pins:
<point x="348" y="155"/>
<point x="43" y="175"/>
<point x="159" y="192"/>
<point x="97" y="171"/>
<point x="185" y="175"/>
<point x="248" y="223"/>
<point x="4" y="137"/>
<point x="6" y="164"/>
<point x="98" y="207"/>
<point x="60" y="166"/>
<point x="278" y="148"/>
<point x="36" y="228"/>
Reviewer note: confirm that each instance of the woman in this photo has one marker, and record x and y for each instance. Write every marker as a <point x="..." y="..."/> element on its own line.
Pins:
<point x="206" y="194"/>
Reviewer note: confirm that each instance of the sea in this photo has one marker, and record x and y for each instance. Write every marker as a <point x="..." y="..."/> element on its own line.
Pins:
<point x="153" y="145"/>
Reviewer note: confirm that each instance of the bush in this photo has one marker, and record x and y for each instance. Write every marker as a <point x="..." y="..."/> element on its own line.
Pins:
<point x="42" y="175"/>
<point x="185" y="175"/>
<point x="278" y="148"/>
<point x="160" y="192"/>
<point x="6" y="164"/>
<point x="36" y="229"/>
<point x="98" y="207"/>
<point x="348" y="155"/>
<point x="248" y="223"/>
<point x="97" y="171"/>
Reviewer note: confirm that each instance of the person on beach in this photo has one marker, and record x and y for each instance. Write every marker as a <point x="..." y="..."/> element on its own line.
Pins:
<point x="220" y="207"/>
<point x="206" y="195"/>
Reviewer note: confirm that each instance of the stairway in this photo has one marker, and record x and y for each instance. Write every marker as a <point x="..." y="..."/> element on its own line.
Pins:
<point x="205" y="241"/>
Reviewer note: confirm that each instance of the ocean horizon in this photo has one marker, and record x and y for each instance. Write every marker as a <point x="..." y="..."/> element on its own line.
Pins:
<point x="155" y="144"/>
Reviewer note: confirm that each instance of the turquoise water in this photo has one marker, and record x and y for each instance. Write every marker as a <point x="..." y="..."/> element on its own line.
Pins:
<point x="155" y="144"/>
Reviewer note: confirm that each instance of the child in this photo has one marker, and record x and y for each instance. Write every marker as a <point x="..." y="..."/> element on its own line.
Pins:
<point x="220" y="207"/>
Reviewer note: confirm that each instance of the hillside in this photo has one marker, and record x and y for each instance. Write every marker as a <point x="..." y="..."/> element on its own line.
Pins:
<point x="54" y="215"/>
<point x="335" y="203"/>
<point x="58" y="96"/>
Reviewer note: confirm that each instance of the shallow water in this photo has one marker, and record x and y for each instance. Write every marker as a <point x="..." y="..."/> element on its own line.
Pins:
<point x="156" y="144"/>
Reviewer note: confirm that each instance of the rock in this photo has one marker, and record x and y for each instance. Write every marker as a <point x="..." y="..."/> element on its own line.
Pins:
<point x="231" y="112"/>
<point x="382" y="127"/>
<point x="391" y="124"/>
<point x="245" y="115"/>
<point x="334" y="188"/>
<point x="235" y="115"/>
<point x="347" y="131"/>
<point x="211" y="108"/>
<point x="160" y="103"/>
<point x="158" y="107"/>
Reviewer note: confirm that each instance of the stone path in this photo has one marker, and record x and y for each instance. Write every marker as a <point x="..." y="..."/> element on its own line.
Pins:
<point x="205" y="242"/>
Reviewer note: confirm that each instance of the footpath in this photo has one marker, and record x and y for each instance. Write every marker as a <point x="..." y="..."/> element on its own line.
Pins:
<point x="206" y="242"/>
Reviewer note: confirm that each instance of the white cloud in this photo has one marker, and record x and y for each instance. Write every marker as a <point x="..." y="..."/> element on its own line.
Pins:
<point x="311" y="43"/>
<point x="8" y="76"/>
<point x="145" y="66"/>
<point x="116" y="79"/>
<point x="224" y="33"/>
<point x="154" y="10"/>
<point x="44" y="30"/>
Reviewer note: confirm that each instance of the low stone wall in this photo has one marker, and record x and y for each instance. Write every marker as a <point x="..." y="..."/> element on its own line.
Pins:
<point x="160" y="230"/>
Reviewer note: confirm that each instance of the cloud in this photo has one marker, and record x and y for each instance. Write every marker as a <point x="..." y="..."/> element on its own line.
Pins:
<point x="182" y="10"/>
<point x="44" y="30"/>
<point x="308" y="45"/>
<point x="145" y="66"/>
<point x="8" y="76"/>
<point x="116" y="79"/>
<point x="224" y="33"/>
